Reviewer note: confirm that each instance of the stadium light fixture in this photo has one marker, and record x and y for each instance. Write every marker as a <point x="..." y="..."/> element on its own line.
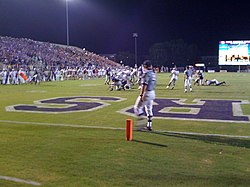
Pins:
<point x="135" y="35"/>
<point x="67" y="20"/>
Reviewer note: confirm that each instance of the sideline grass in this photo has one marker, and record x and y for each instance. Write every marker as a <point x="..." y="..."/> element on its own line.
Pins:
<point x="64" y="156"/>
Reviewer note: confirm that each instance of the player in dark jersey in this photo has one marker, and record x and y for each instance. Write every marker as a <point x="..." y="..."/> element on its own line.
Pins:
<point x="108" y="76"/>
<point x="200" y="79"/>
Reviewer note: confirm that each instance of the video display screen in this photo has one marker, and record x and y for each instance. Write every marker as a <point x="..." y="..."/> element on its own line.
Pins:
<point x="234" y="52"/>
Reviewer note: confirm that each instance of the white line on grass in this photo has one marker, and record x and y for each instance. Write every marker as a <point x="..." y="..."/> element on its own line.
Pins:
<point x="13" y="179"/>
<point x="202" y="134"/>
<point x="115" y="128"/>
<point x="62" y="125"/>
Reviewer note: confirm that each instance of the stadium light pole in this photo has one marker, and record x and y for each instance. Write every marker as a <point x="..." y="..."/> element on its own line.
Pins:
<point x="67" y="20"/>
<point x="135" y="35"/>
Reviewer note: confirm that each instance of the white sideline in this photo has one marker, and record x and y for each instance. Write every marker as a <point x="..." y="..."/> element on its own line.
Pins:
<point x="115" y="128"/>
<point x="202" y="134"/>
<point x="61" y="125"/>
<point x="13" y="179"/>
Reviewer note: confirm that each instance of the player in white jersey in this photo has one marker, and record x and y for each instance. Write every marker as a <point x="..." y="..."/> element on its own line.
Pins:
<point x="188" y="79"/>
<point x="140" y="72"/>
<point x="214" y="82"/>
<point x="5" y="77"/>
<point x="14" y="77"/>
<point x="174" y="76"/>
<point x="134" y="75"/>
<point x="147" y="94"/>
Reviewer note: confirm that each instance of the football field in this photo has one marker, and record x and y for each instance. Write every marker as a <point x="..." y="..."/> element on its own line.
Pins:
<point x="72" y="133"/>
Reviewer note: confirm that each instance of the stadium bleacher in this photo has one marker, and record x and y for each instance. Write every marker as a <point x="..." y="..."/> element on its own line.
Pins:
<point x="23" y="52"/>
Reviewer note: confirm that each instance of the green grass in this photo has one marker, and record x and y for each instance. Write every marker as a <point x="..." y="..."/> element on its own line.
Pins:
<point x="71" y="156"/>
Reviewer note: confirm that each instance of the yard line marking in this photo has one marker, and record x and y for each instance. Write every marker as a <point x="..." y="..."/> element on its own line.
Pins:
<point x="36" y="91"/>
<point x="203" y="134"/>
<point x="90" y="84"/>
<point x="116" y="128"/>
<point x="13" y="179"/>
<point x="61" y="125"/>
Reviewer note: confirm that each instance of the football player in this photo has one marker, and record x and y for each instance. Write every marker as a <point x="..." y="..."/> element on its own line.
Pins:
<point x="188" y="79"/>
<point x="174" y="76"/>
<point x="214" y="82"/>
<point x="147" y="94"/>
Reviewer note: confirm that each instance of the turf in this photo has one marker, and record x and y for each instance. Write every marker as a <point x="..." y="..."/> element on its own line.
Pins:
<point x="34" y="148"/>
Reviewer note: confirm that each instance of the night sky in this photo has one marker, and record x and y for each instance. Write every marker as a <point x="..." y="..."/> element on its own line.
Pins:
<point x="107" y="26"/>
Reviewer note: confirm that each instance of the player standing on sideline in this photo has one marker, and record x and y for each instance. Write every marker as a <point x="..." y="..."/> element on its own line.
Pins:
<point x="140" y="74"/>
<point x="36" y="77"/>
<point x="188" y="79"/>
<point x="108" y="76"/>
<point x="147" y="94"/>
<point x="174" y="74"/>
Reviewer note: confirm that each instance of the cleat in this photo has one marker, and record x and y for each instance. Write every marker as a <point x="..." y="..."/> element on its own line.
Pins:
<point x="140" y="116"/>
<point x="147" y="128"/>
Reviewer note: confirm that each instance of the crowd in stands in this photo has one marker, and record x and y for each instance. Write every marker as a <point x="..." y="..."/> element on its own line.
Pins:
<point x="49" y="60"/>
<point x="17" y="53"/>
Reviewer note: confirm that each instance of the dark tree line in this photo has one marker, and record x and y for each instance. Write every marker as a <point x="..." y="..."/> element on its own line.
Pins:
<point x="175" y="52"/>
<point x="169" y="53"/>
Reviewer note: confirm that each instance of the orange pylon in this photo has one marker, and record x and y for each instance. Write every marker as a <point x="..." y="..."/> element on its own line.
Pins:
<point x="129" y="129"/>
